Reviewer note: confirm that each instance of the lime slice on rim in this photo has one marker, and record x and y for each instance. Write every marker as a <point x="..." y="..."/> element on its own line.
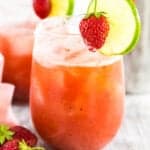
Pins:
<point x="63" y="7"/>
<point x="125" y="25"/>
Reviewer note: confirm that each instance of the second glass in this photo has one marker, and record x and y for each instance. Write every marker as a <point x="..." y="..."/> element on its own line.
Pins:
<point x="17" y="24"/>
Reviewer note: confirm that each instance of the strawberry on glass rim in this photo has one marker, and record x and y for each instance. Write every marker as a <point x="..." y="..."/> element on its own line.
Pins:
<point x="46" y="8"/>
<point x="94" y="29"/>
<point x="42" y="7"/>
<point x="111" y="27"/>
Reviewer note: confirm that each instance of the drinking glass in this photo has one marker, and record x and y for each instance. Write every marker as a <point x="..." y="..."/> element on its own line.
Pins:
<point x="17" y="24"/>
<point x="76" y="96"/>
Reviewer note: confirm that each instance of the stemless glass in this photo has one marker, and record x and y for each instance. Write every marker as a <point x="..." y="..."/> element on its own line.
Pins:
<point x="76" y="96"/>
<point x="16" y="46"/>
<point x="17" y="24"/>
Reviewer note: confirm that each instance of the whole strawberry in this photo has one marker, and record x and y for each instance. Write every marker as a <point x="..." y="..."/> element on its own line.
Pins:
<point x="94" y="30"/>
<point x="11" y="145"/>
<point x="22" y="133"/>
<point x="19" y="145"/>
<point x="94" y="27"/>
<point x="17" y="138"/>
<point x="42" y="8"/>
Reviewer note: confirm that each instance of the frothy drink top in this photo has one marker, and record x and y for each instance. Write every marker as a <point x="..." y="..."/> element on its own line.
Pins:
<point x="58" y="42"/>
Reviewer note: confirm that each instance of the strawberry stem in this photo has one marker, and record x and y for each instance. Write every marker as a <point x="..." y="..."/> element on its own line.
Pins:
<point x="95" y="5"/>
<point x="5" y="134"/>
<point x="92" y="8"/>
<point x="89" y="6"/>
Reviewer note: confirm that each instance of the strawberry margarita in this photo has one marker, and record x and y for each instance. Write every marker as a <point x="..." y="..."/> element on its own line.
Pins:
<point x="16" y="46"/>
<point x="77" y="96"/>
<point x="16" y="41"/>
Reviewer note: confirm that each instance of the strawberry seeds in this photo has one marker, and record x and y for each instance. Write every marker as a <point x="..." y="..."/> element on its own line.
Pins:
<point x="94" y="29"/>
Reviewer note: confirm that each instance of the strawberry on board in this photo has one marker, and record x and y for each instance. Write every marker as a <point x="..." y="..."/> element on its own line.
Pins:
<point x="11" y="145"/>
<point x="15" y="144"/>
<point x="22" y="133"/>
<point x="17" y="138"/>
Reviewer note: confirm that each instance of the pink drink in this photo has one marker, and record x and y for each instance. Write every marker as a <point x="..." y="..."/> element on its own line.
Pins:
<point x="16" y="46"/>
<point x="77" y="96"/>
<point x="17" y="24"/>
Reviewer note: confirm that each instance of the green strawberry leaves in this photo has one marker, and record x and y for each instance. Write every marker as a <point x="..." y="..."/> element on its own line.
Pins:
<point x="5" y="134"/>
<point x="24" y="146"/>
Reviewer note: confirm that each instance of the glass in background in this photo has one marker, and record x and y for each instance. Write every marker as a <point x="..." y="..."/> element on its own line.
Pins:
<point x="17" y="23"/>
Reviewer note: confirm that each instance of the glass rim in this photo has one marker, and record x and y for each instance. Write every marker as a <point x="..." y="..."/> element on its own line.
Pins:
<point x="25" y="28"/>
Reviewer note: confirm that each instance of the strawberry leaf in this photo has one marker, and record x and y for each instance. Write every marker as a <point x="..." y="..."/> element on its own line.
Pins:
<point x="23" y="146"/>
<point x="5" y="134"/>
